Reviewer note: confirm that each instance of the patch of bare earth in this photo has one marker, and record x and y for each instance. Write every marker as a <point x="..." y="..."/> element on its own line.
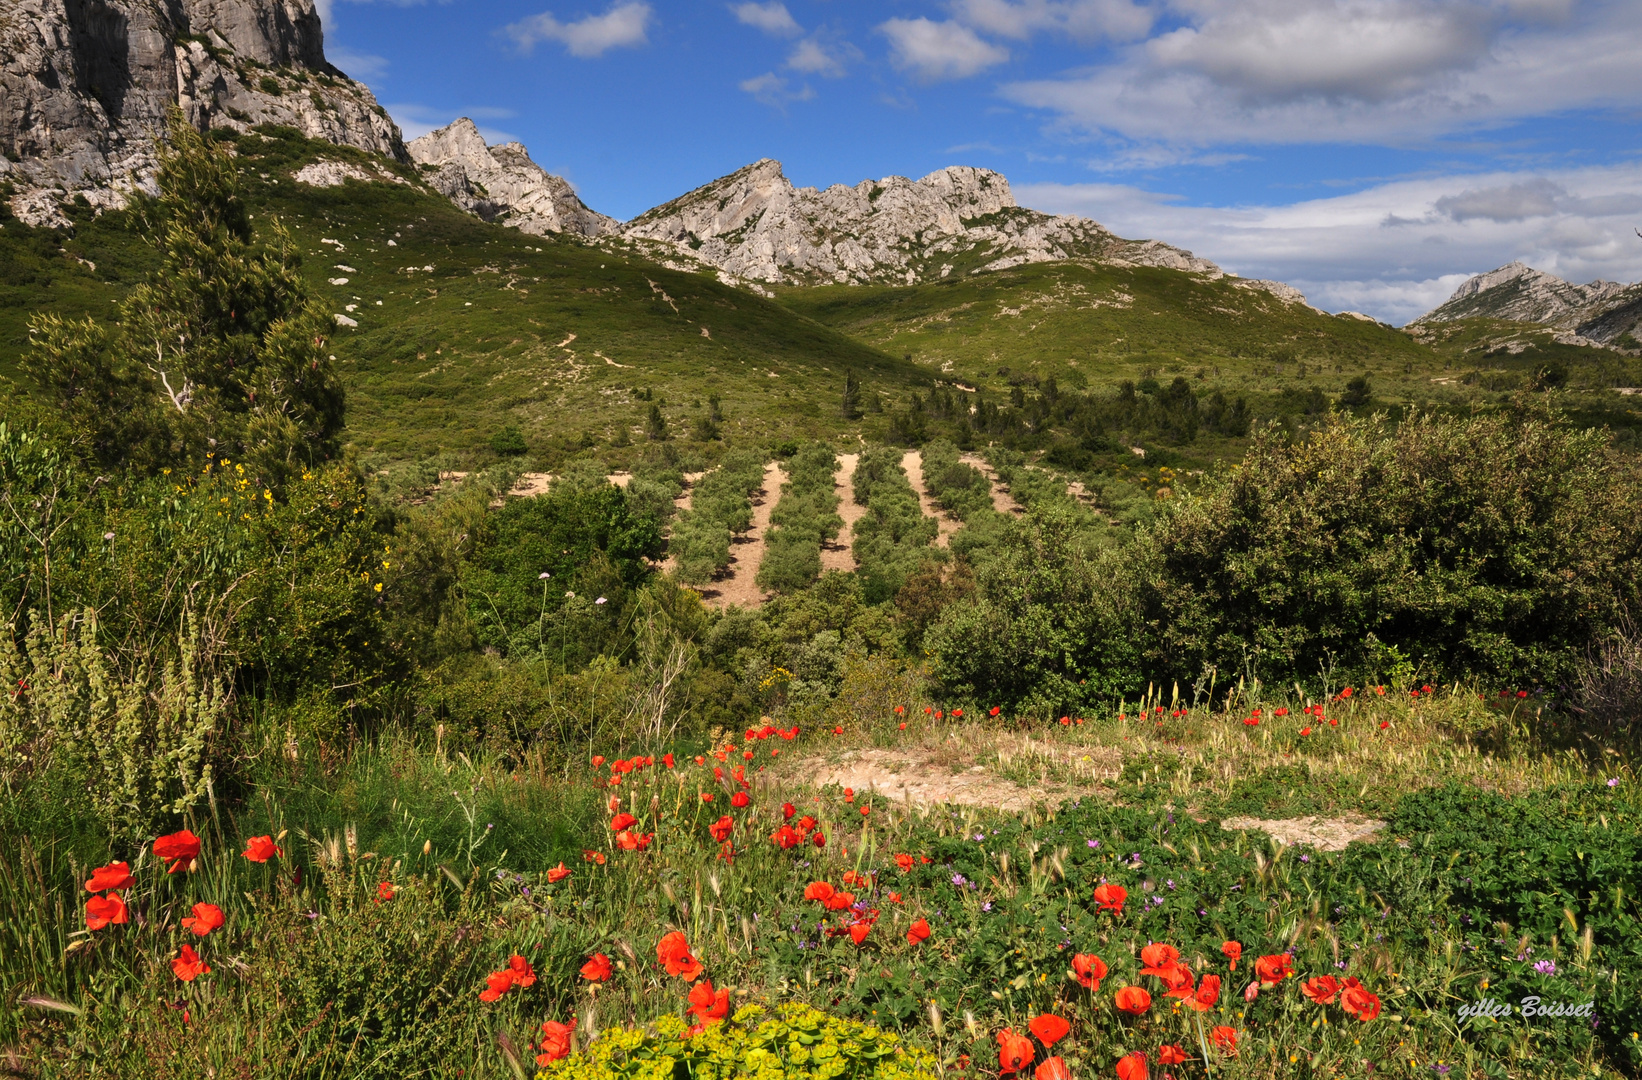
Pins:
<point x="837" y="555"/>
<point x="1002" y="501"/>
<point x="912" y="463"/>
<point x="747" y="551"/>
<point x="1325" y="834"/>
<point x="930" y="775"/>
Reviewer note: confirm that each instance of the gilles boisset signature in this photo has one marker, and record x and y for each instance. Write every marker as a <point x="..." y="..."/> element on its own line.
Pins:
<point x="1529" y="1008"/>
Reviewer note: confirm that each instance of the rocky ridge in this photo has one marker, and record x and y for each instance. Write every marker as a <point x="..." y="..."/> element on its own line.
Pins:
<point x="85" y="85"/>
<point x="501" y="183"/>
<point x="1600" y="313"/>
<point x="755" y="225"/>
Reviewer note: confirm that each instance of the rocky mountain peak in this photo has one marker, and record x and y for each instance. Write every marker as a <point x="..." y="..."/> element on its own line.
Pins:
<point x="501" y="183"/>
<point x="1597" y="313"/>
<point x="754" y="224"/>
<point x="85" y="85"/>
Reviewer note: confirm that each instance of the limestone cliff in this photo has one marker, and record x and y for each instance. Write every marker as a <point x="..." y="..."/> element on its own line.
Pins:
<point x="85" y="84"/>
<point x="754" y="224"/>
<point x="1598" y="313"/>
<point x="501" y="183"/>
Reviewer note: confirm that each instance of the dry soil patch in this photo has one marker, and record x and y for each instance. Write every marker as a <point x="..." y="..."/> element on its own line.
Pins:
<point x="1002" y="501"/>
<point x="747" y="551"/>
<point x="837" y="555"/>
<point x="1325" y="834"/>
<point x="913" y="464"/>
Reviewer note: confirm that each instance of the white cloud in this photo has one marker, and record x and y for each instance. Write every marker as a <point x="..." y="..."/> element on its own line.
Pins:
<point x="1288" y="71"/>
<point x="813" y="57"/>
<point x="772" y="18"/>
<point x="1084" y="20"/>
<point x="1392" y="250"/>
<point x="939" y="50"/>
<point x="623" y="26"/>
<point x="773" y="90"/>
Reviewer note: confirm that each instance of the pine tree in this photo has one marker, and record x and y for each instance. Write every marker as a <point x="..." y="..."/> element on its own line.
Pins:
<point x="655" y="424"/>
<point x="222" y="351"/>
<point x="852" y="396"/>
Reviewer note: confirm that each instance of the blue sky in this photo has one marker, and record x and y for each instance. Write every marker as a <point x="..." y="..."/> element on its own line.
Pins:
<point x="1371" y="152"/>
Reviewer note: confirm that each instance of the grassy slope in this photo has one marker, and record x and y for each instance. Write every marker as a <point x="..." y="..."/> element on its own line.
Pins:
<point x="451" y="355"/>
<point x="1098" y="325"/>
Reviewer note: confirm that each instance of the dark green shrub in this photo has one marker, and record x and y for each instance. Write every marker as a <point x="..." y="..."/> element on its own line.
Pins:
<point x="1498" y="545"/>
<point x="508" y="441"/>
<point x="804" y="519"/>
<point x="1048" y="627"/>
<point x="892" y="540"/>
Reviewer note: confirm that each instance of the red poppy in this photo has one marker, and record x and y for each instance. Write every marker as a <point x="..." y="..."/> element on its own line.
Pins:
<point x="622" y="821"/>
<point x="1171" y="1055"/>
<point x="918" y="931"/>
<point x="555" y="1041"/>
<point x="1014" y="1051"/>
<point x="708" y="1006"/>
<point x="598" y="760"/>
<point x="995" y="711"/>
<point x="179" y="850"/>
<point x="1132" y="999"/>
<point x="840" y="901"/>
<point x="722" y="828"/>
<point x="597" y="969"/>
<point x="1049" y="1028"/>
<point x="899" y="709"/>
<point x="517" y="973"/>
<point x="116" y="875"/>
<point x="1321" y="989"/>
<point x="259" y="849"/>
<point x="1360" y="1003"/>
<point x="206" y="918"/>
<point x="1132" y="1067"/>
<point x="1225" y="1038"/>
<point x="1233" y="951"/>
<point x="1089" y="969"/>
<point x="819" y="839"/>
<point x="632" y="841"/>
<point x="1272" y="970"/>
<point x="787" y="811"/>
<point x="1207" y="995"/>
<point x="895" y="898"/>
<point x="1053" y="1069"/>
<point x="1178" y="978"/>
<point x="674" y="953"/>
<point x="104" y="911"/>
<point x="384" y="891"/>
<point x="593" y="856"/>
<point x="1384" y="724"/>
<point x="818" y="890"/>
<point x="1157" y="957"/>
<point x="188" y="966"/>
<point x="904" y="861"/>
<point x="1305" y="731"/>
<point x="858" y="931"/>
<point x="558" y="873"/>
<point x="706" y="796"/>
<point x="739" y="799"/>
<point x="1111" y="897"/>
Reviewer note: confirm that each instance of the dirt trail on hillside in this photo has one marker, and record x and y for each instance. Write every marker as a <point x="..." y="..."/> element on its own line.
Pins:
<point x="1002" y="501"/>
<point x="747" y="551"/>
<point x="913" y="463"/>
<point x="837" y="555"/>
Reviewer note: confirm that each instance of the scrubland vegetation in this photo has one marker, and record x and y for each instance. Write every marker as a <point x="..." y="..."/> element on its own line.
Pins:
<point x="311" y="769"/>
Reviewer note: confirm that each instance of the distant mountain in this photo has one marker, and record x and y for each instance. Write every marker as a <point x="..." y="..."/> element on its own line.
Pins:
<point x="754" y="224"/>
<point x="501" y="183"/>
<point x="84" y="87"/>
<point x="1600" y="313"/>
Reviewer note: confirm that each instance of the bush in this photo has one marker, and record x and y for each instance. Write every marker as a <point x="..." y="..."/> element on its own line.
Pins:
<point x="508" y="441"/>
<point x="796" y="1041"/>
<point x="720" y="507"/>
<point x="585" y="541"/>
<point x="804" y="519"/>
<point x="1499" y="546"/>
<point x="893" y="538"/>
<point x="960" y="489"/>
<point x="1048" y="627"/>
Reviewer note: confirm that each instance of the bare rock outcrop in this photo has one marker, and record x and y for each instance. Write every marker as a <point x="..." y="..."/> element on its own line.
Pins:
<point x="1599" y="313"/>
<point x="501" y="183"/>
<point x="755" y="225"/>
<point x="85" y="85"/>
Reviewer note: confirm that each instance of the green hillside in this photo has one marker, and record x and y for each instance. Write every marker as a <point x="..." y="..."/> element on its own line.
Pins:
<point x="465" y="328"/>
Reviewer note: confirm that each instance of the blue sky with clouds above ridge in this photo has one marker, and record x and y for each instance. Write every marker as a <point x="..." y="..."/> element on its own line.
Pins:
<point x="1371" y="152"/>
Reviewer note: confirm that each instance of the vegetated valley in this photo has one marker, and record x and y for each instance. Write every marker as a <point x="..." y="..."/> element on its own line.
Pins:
<point x="469" y="653"/>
